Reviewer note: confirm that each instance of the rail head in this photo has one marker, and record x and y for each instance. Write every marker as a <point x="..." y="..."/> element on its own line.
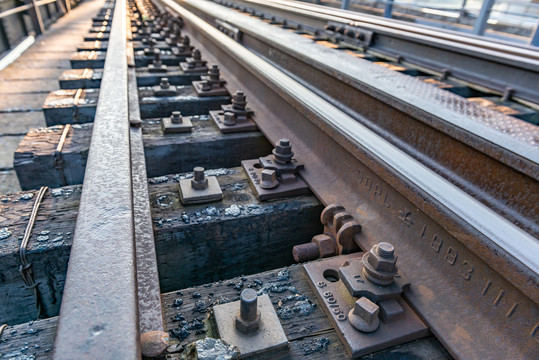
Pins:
<point x="359" y="161"/>
<point x="519" y="245"/>
<point x="471" y="59"/>
<point x="99" y="314"/>
<point x="405" y="28"/>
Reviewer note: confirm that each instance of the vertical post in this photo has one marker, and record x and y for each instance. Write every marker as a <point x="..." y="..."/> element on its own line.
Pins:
<point x="388" y="9"/>
<point x="47" y="11"/>
<point x="345" y="4"/>
<point x="462" y="11"/>
<point x="68" y="5"/>
<point x="60" y="6"/>
<point x="4" y="37"/>
<point x="481" y="21"/>
<point x="35" y="15"/>
<point x="534" y="41"/>
<point x="20" y="17"/>
<point x="99" y="311"/>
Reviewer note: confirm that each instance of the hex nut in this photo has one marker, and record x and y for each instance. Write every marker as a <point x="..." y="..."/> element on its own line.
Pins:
<point x="248" y="327"/>
<point x="282" y="153"/>
<point x="382" y="264"/>
<point x="377" y="268"/>
<point x="326" y="245"/>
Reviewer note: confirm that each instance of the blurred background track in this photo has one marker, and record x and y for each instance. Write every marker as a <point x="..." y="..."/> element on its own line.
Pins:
<point x="25" y="83"/>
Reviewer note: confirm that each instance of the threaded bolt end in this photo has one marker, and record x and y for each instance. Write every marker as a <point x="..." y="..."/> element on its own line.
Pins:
<point x="248" y="305"/>
<point x="306" y="252"/>
<point x="385" y="250"/>
<point x="164" y="83"/>
<point x="198" y="173"/>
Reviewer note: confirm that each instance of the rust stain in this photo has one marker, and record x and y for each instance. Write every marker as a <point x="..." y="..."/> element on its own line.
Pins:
<point x="328" y="44"/>
<point x="390" y="66"/>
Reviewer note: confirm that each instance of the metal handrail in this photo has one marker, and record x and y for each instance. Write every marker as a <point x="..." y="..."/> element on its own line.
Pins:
<point x="23" y="8"/>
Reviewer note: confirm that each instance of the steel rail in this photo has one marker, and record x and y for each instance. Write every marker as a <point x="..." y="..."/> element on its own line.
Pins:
<point x="464" y="146"/>
<point x="461" y="257"/>
<point x="99" y="314"/>
<point x="467" y="58"/>
<point x="403" y="27"/>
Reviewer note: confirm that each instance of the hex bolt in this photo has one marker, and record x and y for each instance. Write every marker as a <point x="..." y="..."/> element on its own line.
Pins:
<point x="164" y="83"/>
<point x="364" y="315"/>
<point x="196" y="55"/>
<point x="321" y="246"/>
<point x="283" y="151"/>
<point x="176" y="117"/>
<point x="269" y="179"/>
<point x="379" y="264"/>
<point x="230" y="119"/>
<point x="239" y="101"/>
<point x="186" y="41"/>
<point x="248" y="318"/>
<point x="214" y="73"/>
<point x="199" y="181"/>
<point x="157" y="58"/>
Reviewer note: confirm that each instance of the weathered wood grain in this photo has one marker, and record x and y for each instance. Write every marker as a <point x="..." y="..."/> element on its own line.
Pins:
<point x="210" y="241"/>
<point x="78" y="106"/>
<point x="70" y="106"/>
<point x="186" y="100"/>
<point x="307" y="330"/>
<point x="91" y="78"/>
<point x="200" y="243"/>
<point x="34" y="338"/>
<point x="310" y="336"/>
<point x="87" y="60"/>
<point x="165" y="154"/>
<point x="36" y="155"/>
<point x="48" y="251"/>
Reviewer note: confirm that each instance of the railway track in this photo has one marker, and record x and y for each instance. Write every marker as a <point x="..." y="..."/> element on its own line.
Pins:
<point x="469" y="58"/>
<point x="298" y="144"/>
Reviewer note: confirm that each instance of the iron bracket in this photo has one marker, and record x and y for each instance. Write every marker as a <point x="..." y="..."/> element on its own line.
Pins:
<point x="349" y="34"/>
<point x="398" y="322"/>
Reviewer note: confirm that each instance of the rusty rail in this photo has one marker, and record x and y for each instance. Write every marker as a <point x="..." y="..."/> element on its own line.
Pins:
<point x="493" y="64"/>
<point x="497" y="169"/>
<point x="470" y="268"/>
<point x="99" y="312"/>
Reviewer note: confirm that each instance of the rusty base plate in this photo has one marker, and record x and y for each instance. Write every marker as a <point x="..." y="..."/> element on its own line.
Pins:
<point x="337" y="302"/>
<point x="218" y="116"/>
<point x="157" y="69"/>
<point x="171" y="91"/>
<point x="170" y="128"/>
<point x="184" y="52"/>
<point x="199" y="69"/>
<point x="213" y="92"/>
<point x="253" y="168"/>
<point x="189" y="195"/>
<point x="269" y="337"/>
